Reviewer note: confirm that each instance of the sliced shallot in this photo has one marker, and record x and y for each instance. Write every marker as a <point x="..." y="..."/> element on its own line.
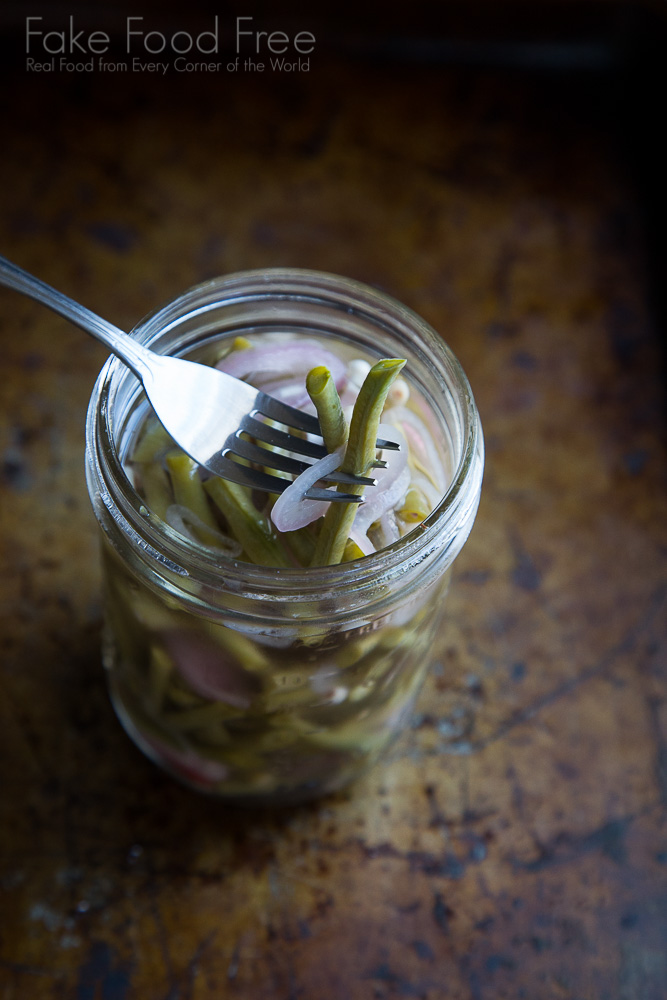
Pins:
<point x="389" y="529"/>
<point x="189" y="764"/>
<point x="361" y="539"/>
<point x="292" y="358"/>
<point x="207" y="668"/>
<point x="292" y="510"/>
<point x="391" y="482"/>
<point x="421" y="439"/>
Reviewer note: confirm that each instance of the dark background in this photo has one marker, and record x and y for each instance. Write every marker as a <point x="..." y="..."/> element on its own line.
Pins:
<point x="498" y="167"/>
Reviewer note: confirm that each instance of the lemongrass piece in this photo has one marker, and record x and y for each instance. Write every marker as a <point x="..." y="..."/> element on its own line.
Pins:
<point x="323" y="392"/>
<point x="248" y="525"/>
<point x="359" y="455"/>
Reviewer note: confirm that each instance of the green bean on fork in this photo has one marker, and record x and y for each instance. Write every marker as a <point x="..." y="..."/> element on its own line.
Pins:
<point x="359" y="456"/>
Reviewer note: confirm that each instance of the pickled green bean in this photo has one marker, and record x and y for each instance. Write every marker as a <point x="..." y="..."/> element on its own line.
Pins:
<point x="189" y="491"/>
<point x="156" y="490"/>
<point x="318" y="699"/>
<point x="160" y="667"/>
<point x="252" y="529"/>
<point x="153" y="441"/>
<point x="323" y="392"/>
<point x="359" y="455"/>
<point x="247" y="653"/>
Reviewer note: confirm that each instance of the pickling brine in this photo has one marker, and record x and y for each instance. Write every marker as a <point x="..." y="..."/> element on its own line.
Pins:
<point x="263" y="648"/>
<point x="287" y="530"/>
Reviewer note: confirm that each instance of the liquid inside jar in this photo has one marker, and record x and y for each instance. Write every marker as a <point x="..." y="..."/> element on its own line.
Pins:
<point x="254" y="710"/>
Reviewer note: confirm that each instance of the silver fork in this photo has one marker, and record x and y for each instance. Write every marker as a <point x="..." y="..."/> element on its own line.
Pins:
<point x="203" y="409"/>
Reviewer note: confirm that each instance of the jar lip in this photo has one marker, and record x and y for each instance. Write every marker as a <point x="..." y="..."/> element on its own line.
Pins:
<point x="289" y="283"/>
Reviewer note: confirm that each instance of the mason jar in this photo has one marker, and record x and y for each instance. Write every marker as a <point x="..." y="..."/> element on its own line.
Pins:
<point x="263" y="684"/>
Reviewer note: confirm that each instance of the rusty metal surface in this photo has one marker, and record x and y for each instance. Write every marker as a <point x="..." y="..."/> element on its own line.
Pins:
<point x="515" y="843"/>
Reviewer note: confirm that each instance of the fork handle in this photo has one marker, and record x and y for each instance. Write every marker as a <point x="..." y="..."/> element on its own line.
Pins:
<point x="135" y="356"/>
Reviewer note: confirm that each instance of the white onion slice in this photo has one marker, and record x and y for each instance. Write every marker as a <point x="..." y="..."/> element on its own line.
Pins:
<point x="292" y="510"/>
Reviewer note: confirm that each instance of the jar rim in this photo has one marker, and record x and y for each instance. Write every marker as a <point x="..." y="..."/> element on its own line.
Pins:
<point x="162" y="544"/>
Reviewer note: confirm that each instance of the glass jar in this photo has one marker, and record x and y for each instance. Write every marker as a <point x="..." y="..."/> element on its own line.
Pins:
<point x="261" y="684"/>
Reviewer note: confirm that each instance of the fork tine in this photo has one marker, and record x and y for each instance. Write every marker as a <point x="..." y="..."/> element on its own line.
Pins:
<point x="314" y="493"/>
<point x="263" y="456"/>
<point x="285" y="414"/>
<point x="349" y="478"/>
<point x="234" y="472"/>
<point x="280" y="439"/>
<point x="285" y="463"/>
<point x="289" y="415"/>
